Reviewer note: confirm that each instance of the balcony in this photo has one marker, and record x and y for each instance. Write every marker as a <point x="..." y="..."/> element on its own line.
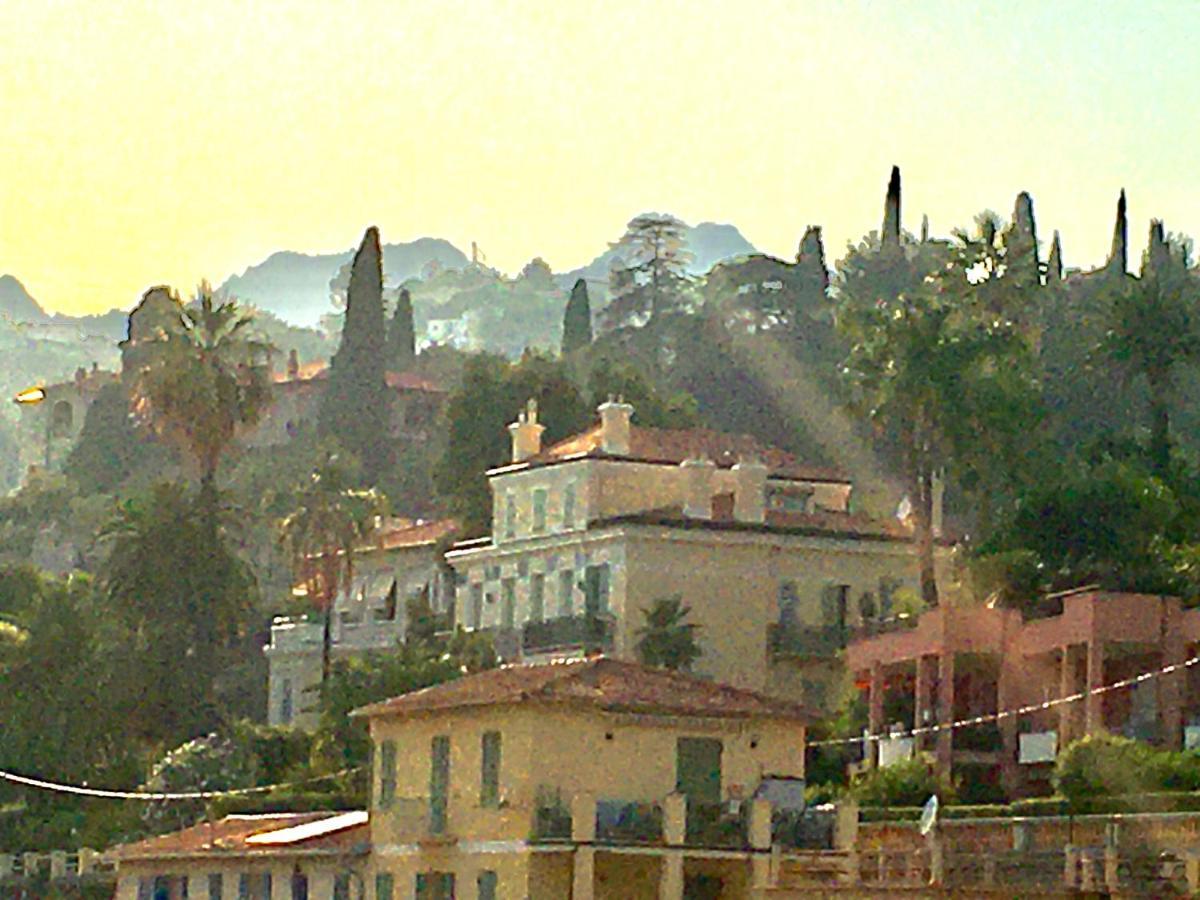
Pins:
<point x="805" y="641"/>
<point x="568" y="633"/>
<point x="626" y="822"/>
<point x="715" y="825"/>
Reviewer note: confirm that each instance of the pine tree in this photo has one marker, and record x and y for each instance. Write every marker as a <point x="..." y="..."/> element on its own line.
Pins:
<point x="355" y="409"/>
<point x="577" y="319"/>
<point x="401" y="338"/>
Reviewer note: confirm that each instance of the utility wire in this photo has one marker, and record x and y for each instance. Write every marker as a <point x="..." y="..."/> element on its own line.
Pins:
<point x="1008" y="713"/>
<point x="84" y="791"/>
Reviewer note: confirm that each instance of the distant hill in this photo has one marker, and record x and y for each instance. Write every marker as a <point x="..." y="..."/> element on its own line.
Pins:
<point x="17" y="304"/>
<point x="295" y="286"/>
<point x="709" y="242"/>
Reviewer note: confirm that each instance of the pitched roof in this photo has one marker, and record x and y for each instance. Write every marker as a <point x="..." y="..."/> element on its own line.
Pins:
<point x="407" y="533"/>
<point x="599" y="682"/>
<point x="317" y="370"/>
<point x="274" y="833"/>
<point x="674" y="445"/>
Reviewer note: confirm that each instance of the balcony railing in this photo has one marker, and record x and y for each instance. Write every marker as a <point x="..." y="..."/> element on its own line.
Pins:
<point x="982" y="738"/>
<point x="715" y="825"/>
<point x="806" y="641"/>
<point x="551" y="822"/>
<point x="589" y="632"/>
<point x="873" y="627"/>
<point x="625" y="822"/>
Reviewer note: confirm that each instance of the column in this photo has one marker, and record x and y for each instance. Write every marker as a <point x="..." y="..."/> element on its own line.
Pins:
<point x="583" y="876"/>
<point x="1066" y="687"/>
<point x="1007" y="699"/>
<point x="874" y="715"/>
<point x="675" y="819"/>
<point x="945" y="736"/>
<point x="760" y="840"/>
<point x="231" y="878"/>
<point x="197" y="885"/>
<point x="58" y="865"/>
<point x="670" y="883"/>
<point x="281" y="883"/>
<point x="320" y="883"/>
<point x="1171" y="686"/>
<point x="127" y="887"/>
<point x="1094" y="703"/>
<point x="921" y="706"/>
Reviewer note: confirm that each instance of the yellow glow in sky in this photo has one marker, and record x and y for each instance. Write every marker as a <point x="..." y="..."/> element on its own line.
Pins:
<point x="151" y="143"/>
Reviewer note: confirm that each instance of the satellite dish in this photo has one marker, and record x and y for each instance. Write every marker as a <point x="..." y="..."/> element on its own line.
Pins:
<point x="929" y="815"/>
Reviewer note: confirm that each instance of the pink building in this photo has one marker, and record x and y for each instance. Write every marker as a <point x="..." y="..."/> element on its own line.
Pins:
<point x="954" y="663"/>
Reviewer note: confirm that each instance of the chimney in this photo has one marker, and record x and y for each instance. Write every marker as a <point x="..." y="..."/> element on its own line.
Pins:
<point x="698" y="491"/>
<point x="526" y="433"/>
<point x="614" y="426"/>
<point x="750" y="490"/>
<point x="293" y="365"/>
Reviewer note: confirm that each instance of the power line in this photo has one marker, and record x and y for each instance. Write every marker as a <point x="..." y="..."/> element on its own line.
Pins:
<point x="85" y="791"/>
<point x="1008" y="713"/>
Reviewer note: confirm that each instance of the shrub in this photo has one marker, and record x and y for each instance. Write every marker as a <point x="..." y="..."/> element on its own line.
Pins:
<point x="1104" y="765"/>
<point x="909" y="782"/>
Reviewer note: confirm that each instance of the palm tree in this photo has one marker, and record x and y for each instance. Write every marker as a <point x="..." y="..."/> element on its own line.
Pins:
<point x="667" y="639"/>
<point x="330" y="522"/>
<point x="202" y="380"/>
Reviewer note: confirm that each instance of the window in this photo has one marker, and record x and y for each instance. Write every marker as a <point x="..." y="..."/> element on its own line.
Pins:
<point x="387" y="773"/>
<point x="299" y="886"/>
<point x="385" y="886"/>
<point x="439" y="783"/>
<point x="834" y="600"/>
<point x="566" y="592"/>
<point x="489" y="770"/>
<point x="596" y="587"/>
<point x="285" y="702"/>
<point x="216" y="886"/>
<point x="569" y="506"/>
<point x="485" y="885"/>
<point x="537" y="597"/>
<point x="510" y="516"/>
<point x="341" y="886"/>
<point x="435" y="886"/>
<point x="539" y="510"/>
<point x="475" y="613"/>
<point x="508" y="607"/>
<point x="254" y="886"/>
<point x="789" y="602"/>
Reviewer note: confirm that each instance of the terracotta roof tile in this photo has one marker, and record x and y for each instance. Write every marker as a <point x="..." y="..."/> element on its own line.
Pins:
<point x="675" y="445"/>
<point x="414" y="534"/>
<point x="228" y="836"/>
<point x="319" y="371"/>
<point x="598" y="681"/>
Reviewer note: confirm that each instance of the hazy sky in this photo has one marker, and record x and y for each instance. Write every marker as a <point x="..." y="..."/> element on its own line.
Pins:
<point x="163" y="142"/>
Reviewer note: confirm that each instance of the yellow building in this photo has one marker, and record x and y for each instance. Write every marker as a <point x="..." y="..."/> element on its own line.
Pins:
<point x="585" y="778"/>
<point x="589" y="533"/>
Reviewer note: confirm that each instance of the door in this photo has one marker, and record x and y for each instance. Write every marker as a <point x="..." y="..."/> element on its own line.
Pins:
<point x="439" y="783"/>
<point x="698" y="769"/>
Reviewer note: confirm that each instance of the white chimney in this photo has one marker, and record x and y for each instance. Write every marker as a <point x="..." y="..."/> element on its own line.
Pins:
<point x="526" y="433"/>
<point x="615" y="416"/>
<point x="698" y="487"/>
<point x="750" y="490"/>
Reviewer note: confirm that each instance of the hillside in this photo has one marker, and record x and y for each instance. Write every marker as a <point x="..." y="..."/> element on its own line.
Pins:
<point x="295" y="286"/>
<point x="16" y="304"/>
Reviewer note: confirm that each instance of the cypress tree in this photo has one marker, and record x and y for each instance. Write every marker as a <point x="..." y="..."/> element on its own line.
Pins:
<point x="356" y="407"/>
<point x="1021" y="243"/>
<point x="1118" y="261"/>
<point x="812" y="277"/>
<point x="577" y="319"/>
<point x="891" y="211"/>
<point x="401" y="338"/>
<point x="1054" y="267"/>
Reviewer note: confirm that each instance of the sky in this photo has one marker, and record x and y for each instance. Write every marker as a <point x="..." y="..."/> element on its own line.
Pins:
<point x="151" y="143"/>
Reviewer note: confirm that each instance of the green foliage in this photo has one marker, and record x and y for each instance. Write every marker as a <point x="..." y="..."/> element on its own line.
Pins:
<point x="210" y="763"/>
<point x="650" y="278"/>
<point x="110" y="448"/>
<point x="667" y="639"/>
<point x="577" y="319"/>
<point x="1103" y="765"/>
<point x="172" y="581"/>
<point x="198" y="383"/>
<point x="491" y="394"/>
<point x="654" y="407"/>
<point x="356" y="405"/>
<point x="909" y="782"/>
<point x="401" y="349"/>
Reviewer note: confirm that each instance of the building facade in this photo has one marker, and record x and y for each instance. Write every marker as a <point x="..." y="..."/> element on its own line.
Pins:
<point x="404" y="564"/>
<point x="588" y="534"/>
<point x="585" y="778"/>
<point x="952" y="664"/>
